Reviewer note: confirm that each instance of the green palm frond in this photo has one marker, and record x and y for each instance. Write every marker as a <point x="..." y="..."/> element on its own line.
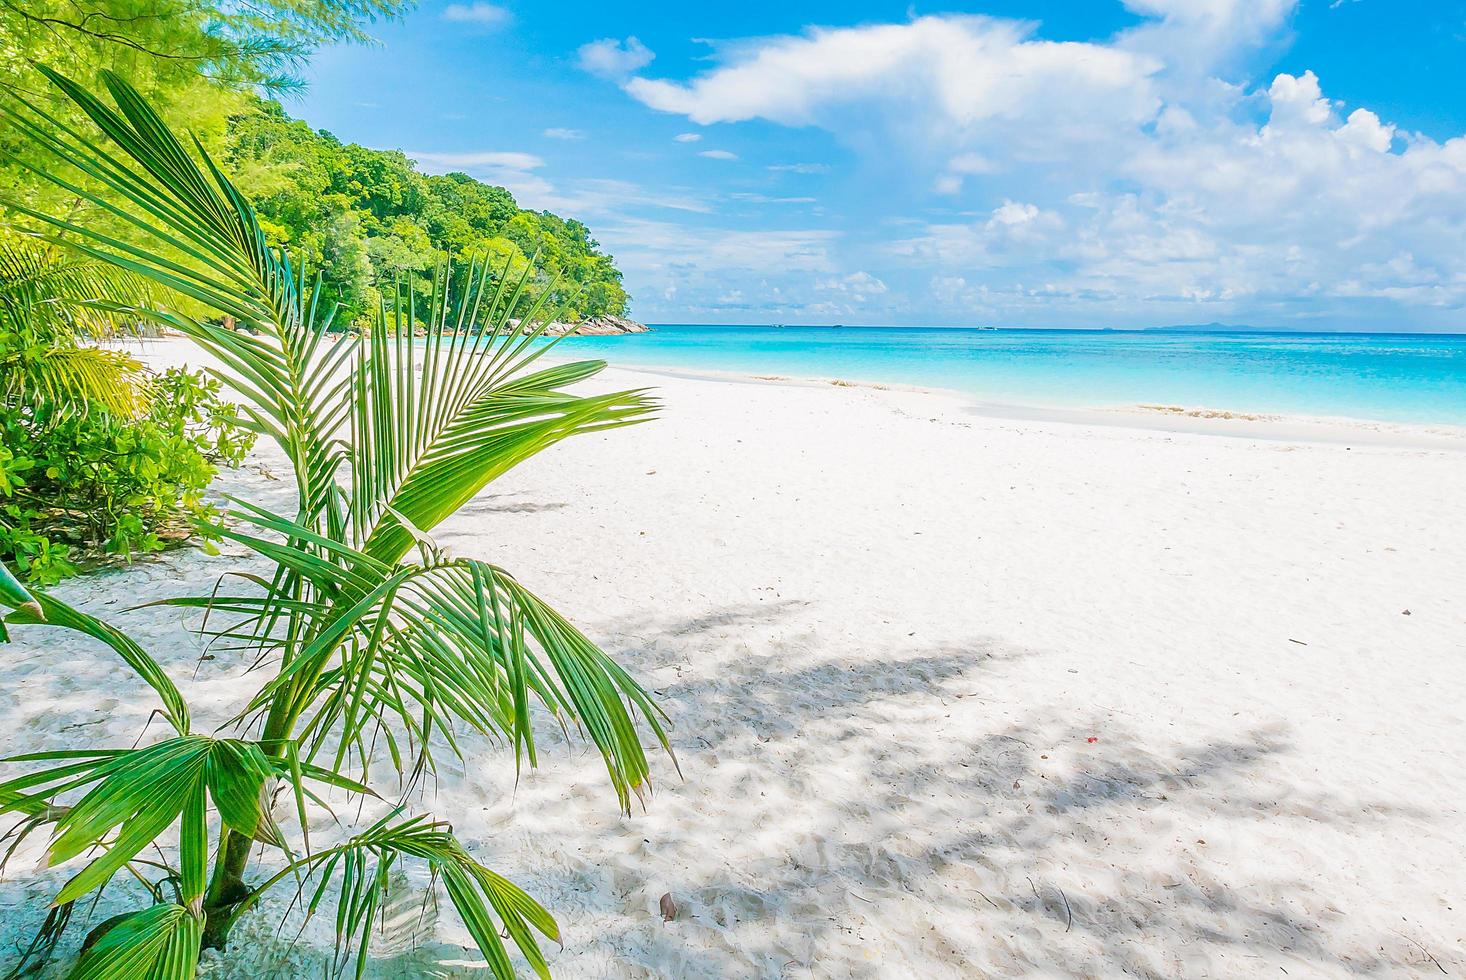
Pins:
<point x="359" y="870"/>
<point x="75" y="378"/>
<point x="133" y="795"/>
<point x="428" y="437"/>
<point x="156" y="943"/>
<point x="427" y="645"/>
<point x="379" y="641"/>
<point x="50" y="301"/>
<point x="47" y="292"/>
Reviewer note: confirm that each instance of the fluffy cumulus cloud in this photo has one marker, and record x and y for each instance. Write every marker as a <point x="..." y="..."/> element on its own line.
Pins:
<point x="1158" y="174"/>
<point x="950" y="79"/>
<point x="611" y="58"/>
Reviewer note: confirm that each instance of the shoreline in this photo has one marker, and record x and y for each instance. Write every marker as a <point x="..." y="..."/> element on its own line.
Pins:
<point x="1206" y="420"/>
<point x="1189" y="420"/>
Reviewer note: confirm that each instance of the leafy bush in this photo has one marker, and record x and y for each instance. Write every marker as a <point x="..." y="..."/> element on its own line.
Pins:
<point x="79" y="484"/>
<point x="96" y="455"/>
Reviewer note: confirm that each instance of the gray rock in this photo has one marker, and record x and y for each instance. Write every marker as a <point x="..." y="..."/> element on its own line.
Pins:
<point x="598" y="326"/>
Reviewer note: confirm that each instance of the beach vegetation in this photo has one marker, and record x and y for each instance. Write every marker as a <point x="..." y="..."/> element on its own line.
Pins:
<point x="369" y="219"/>
<point x="363" y="218"/>
<point x="98" y="456"/>
<point x="377" y="651"/>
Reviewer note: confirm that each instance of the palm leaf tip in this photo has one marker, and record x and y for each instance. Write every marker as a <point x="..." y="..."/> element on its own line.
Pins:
<point x="13" y="594"/>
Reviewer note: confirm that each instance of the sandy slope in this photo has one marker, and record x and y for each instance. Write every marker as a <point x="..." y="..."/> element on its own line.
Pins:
<point x="955" y="695"/>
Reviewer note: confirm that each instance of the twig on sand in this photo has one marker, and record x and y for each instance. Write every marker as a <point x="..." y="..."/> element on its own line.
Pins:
<point x="1069" y="912"/>
<point x="1427" y="952"/>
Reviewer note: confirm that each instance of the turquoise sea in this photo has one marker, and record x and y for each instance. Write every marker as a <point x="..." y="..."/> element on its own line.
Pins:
<point x="1394" y="377"/>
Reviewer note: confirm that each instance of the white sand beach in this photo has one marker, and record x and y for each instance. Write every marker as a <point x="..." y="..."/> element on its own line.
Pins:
<point x="954" y="694"/>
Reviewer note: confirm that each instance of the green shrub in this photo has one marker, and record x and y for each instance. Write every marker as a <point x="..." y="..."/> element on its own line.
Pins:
<point x="77" y="486"/>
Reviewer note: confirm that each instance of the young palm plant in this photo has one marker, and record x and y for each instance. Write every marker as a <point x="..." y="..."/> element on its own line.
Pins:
<point x="45" y="313"/>
<point x="384" y="651"/>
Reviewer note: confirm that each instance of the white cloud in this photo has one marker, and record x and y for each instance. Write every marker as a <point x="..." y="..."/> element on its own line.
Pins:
<point x="858" y="284"/>
<point x="960" y="166"/>
<point x="684" y="270"/>
<point x="1012" y="213"/>
<point x="611" y="58"/>
<point x="718" y="155"/>
<point x="1198" y="38"/>
<point x="766" y="199"/>
<point x="951" y="80"/>
<point x="557" y="133"/>
<point x="511" y="170"/>
<point x="1364" y="131"/>
<point x="1151" y="172"/>
<point x="947" y="184"/>
<point x="800" y="168"/>
<point x="480" y="13"/>
<point x="1298" y="100"/>
<point x="687" y="137"/>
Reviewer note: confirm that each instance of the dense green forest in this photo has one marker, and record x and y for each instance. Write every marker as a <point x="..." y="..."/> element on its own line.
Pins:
<point x="361" y="217"/>
<point x="367" y="217"/>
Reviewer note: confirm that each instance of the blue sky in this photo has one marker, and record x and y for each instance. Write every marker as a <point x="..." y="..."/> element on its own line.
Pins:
<point x="1086" y="163"/>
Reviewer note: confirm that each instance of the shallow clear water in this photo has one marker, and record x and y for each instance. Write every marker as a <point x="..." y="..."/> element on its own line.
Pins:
<point x="1397" y="377"/>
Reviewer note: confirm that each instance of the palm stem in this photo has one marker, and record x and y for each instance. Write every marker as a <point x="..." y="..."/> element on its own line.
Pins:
<point x="228" y="895"/>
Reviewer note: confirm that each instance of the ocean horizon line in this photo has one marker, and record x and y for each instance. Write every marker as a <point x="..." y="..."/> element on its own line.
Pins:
<point x="980" y="328"/>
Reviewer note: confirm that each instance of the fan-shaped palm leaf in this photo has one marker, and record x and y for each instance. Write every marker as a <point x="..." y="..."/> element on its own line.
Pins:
<point x="157" y="943"/>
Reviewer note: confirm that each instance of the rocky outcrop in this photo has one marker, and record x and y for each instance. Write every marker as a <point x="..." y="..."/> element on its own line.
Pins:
<point x="598" y="326"/>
